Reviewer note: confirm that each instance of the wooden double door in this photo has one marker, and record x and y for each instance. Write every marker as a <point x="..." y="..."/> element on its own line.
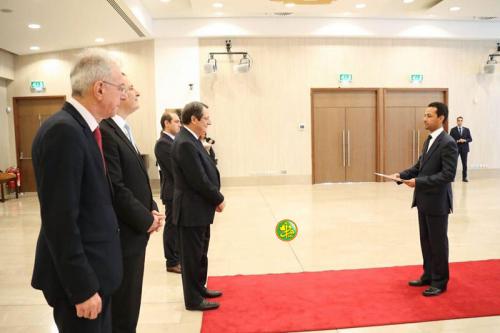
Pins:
<point x="29" y="114"/>
<point x="344" y="135"/>
<point x="357" y="131"/>
<point x="404" y="131"/>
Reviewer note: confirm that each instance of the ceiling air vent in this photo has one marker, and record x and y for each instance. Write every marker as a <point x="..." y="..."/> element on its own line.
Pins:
<point x="485" y="18"/>
<point x="282" y="13"/>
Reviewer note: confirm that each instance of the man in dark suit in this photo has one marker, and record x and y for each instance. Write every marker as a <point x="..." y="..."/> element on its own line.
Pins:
<point x="134" y="206"/>
<point x="171" y="125"/>
<point x="196" y="198"/>
<point x="431" y="177"/>
<point x="462" y="137"/>
<point x="78" y="258"/>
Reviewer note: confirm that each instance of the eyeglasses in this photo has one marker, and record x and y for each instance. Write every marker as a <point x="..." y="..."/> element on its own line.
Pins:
<point x="121" y="87"/>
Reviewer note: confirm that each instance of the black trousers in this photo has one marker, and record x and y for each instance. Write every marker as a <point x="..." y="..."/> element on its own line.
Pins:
<point x="463" y="157"/>
<point x="127" y="298"/>
<point x="170" y="237"/>
<point x="68" y="322"/>
<point x="434" y="245"/>
<point x="194" y="243"/>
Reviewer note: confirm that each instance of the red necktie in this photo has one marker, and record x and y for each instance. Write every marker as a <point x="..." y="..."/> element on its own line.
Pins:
<point x="98" y="138"/>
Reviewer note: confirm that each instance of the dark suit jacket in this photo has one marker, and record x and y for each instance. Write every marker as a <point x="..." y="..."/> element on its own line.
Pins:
<point x="433" y="173"/>
<point x="133" y="200"/>
<point x="465" y="135"/>
<point x="78" y="249"/>
<point x="197" y="182"/>
<point x="163" y="153"/>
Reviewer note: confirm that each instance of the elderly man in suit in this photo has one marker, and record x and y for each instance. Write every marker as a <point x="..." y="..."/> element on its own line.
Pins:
<point x="196" y="198"/>
<point x="78" y="258"/>
<point x="135" y="208"/>
<point x="171" y="125"/>
<point x="463" y="138"/>
<point x="431" y="177"/>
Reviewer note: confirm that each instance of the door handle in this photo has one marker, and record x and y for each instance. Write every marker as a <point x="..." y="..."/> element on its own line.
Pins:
<point x="348" y="148"/>
<point x="418" y="144"/>
<point x="21" y="157"/>
<point x="413" y="147"/>
<point x="343" y="147"/>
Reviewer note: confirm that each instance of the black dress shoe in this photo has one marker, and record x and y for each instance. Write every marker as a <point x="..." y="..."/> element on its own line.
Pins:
<point x="419" y="283"/>
<point x="175" y="269"/>
<point x="433" y="291"/>
<point x="465" y="180"/>
<point x="211" y="293"/>
<point x="204" y="305"/>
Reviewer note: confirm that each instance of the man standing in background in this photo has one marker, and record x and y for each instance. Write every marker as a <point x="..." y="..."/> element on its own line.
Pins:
<point x="136" y="211"/>
<point x="171" y="125"/>
<point x="462" y="137"/>
<point x="78" y="262"/>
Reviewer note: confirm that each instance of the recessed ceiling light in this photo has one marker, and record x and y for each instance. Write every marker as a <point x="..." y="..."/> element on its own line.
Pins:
<point x="217" y="5"/>
<point x="165" y="1"/>
<point x="289" y="5"/>
<point x="99" y="40"/>
<point x="34" y="26"/>
<point x="34" y="48"/>
<point x="454" y="9"/>
<point x="408" y="1"/>
<point x="360" y="5"/>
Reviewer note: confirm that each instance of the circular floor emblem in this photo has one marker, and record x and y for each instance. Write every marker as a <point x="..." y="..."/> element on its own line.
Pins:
<point x="286" y="230"/>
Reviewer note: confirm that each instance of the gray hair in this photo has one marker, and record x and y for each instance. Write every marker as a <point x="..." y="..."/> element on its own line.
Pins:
<point x="92" y="65"/>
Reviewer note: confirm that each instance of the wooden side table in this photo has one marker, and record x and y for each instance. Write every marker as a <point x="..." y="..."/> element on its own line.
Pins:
<point x="4" y="179"/>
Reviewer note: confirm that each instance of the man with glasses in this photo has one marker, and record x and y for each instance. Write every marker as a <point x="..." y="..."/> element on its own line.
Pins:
<point x="197" y="197"/>
<point x="135" y="208"/>
<point x="78" y="262"/>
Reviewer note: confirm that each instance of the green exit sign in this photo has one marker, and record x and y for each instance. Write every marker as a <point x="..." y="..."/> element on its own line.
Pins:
<point x="345" y="78"/>
<point x="416" y="78"/>
<point x="37" y="86"/>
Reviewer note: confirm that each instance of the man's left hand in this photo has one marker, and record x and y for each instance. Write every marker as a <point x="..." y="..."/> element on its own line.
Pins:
<point x="410" y="182"/>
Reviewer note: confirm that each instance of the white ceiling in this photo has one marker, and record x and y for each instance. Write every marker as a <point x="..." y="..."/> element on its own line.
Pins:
<point x="436" y="9"/>
<point x="70" y="24"/>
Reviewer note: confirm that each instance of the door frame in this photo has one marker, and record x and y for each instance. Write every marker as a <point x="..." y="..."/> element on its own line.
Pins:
<point x="382" y="124"/>
<point x="17" y="125"/>
<point x="378" y="116"/>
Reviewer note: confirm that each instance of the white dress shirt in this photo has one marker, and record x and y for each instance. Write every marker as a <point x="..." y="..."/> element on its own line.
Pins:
<point x="434" y="135"/>
<point x="87" y="116"/>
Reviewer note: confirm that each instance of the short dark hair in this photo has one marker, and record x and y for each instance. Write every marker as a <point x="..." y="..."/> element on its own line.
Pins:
<point x="167" y="116"/>
<point x="441" y="109"/>
<point x="192" y="109"/>
<point x="460" y="117"/>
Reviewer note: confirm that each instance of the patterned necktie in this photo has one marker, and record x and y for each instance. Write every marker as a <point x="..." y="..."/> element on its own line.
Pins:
<point x="98" y="139"/>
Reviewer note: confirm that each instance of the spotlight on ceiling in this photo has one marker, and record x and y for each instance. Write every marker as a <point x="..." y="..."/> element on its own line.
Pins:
<point x="211" y="65"/>
<point x="491" y="63"/>
<point x="242" y="67"/>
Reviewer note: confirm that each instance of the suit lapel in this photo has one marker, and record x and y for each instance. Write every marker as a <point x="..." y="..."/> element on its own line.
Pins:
<point x="96" y="152"/>
<point x="433" y="148"/>
<point x="121" y="135"/>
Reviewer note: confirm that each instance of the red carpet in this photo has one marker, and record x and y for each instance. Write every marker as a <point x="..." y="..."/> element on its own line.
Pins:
<point x="349" y="298"/>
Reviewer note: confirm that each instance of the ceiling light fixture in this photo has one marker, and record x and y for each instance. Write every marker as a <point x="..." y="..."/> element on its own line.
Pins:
<point x="217" y="5"/>
<point x="408" y="1"/>
<point x="166" y="1"/>
<point x="99" y="40"/>
<point x="361" y="5"/>
<point x="34" y="26"/>
<point x="34" y="48"/>
<point x="242" y="67"/>
<point x="455" y="9"/>
<point x="289" y="5"/>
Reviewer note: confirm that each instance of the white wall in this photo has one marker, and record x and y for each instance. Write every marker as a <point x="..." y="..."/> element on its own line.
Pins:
<point x="176" y="66"/>
<point x="6" y="119"/>
<point x="256" y="115"/>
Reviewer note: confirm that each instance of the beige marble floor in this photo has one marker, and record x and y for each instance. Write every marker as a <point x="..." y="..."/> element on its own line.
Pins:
<point x="340" y="226"/>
